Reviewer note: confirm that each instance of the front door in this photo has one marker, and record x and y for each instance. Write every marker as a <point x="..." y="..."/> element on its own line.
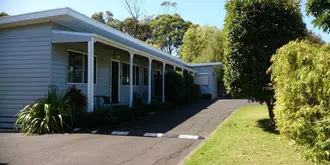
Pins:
<point x="115" y="81"/>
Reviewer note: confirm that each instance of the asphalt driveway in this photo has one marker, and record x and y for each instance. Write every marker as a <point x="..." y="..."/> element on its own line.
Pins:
<point x="85" y="148"/>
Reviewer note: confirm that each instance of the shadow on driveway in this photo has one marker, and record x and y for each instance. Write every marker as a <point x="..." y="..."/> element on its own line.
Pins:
<point x="163" y="121"/>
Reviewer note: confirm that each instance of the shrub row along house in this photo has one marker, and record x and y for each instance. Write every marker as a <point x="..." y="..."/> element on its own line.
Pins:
<point x="63" y="47"/>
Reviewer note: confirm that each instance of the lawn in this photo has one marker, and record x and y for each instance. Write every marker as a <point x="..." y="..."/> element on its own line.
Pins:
<point x="245" y="138"/>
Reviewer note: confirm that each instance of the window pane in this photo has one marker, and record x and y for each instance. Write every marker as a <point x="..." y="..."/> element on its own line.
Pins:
<point x="202" y="80"/>
<point x="145" y="76"/>
<point x="86" y="69"/>
<point x="137" y="75"/>
<point x="125" y="74"/>
<point x="75" y="67"/>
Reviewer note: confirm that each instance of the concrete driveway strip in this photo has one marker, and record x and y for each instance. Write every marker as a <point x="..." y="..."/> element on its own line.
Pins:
<point x="199" y="119"/>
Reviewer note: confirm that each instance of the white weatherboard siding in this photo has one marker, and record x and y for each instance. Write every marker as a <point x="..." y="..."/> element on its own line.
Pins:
<point x="24" y="66"/>
<point x="59" y="67"/>
<point x="211" y="79"/>
<point x="214" y="83"/>
<point x="33" y="56"/>
<point x="103" y="54"/>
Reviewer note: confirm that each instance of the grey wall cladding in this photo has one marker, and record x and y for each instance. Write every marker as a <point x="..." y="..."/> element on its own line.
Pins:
<point x="24" y="66"/>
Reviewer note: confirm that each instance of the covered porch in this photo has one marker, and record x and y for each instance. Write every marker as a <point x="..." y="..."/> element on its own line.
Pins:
<point x="102" y="67"/>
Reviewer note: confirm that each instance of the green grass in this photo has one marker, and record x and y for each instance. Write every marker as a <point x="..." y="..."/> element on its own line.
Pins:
<point x="245" y="138"/>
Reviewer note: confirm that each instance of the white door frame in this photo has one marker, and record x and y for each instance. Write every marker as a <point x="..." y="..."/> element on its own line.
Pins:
<point x="119" y="77"/>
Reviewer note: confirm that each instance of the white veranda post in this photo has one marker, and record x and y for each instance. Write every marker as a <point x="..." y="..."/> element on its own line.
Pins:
<point x="163" y="82"/>
<point x="90" y="84"/>
<point x="149" y="80"/>
<point x="131" y="79"/>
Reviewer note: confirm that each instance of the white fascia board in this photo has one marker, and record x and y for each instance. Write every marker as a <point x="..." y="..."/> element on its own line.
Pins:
<point x="73" y="33"/>
<point x="115" y="44"/>
<point x="129" y="49"/>
<point x="33" y="15"/>
<point x="207" y="64"/>
<point x="59" y="36"/>
<point x="202" y="73"/>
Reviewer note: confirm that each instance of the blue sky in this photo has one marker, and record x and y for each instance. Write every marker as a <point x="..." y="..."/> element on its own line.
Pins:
<point x="204" y="12"/>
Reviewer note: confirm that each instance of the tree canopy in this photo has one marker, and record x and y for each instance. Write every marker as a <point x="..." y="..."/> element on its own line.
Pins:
<point x="2" y="14"/>
<point x="164" y="31"/>
<point x="320" y="10"/>
<point x="137" y="29"/>
<point x="167" y="5"/>
<point x="254" y="30"/>
<point x="202" y="44"/>
<point x="168" y="31"/>
<point x="314" y="38"/>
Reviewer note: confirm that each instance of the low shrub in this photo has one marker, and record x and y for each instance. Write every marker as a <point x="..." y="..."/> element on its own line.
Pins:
<point x="100" y="117"/>
<point x="137" y="99"/>
<point x="77" y="100"/>
<point x="301" y="76"/>
<point x="192" y="90"/>
<point x="52" y="113"/>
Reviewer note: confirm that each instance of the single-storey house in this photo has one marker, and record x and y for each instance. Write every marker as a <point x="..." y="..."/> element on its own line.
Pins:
<point x="64" y="47"/>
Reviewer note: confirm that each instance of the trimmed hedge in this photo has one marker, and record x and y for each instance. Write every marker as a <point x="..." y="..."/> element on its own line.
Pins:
<point x="180" y="89"/>
<point x="192" y="90"/>
<point x="301" y="76"/>
<point x="175" y="90"/>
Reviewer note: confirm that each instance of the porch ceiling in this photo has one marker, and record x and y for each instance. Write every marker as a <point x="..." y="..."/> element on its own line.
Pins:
<point x="60" y="36"/>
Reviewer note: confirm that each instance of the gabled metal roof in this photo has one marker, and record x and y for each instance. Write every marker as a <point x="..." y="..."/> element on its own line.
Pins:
<point x="80" y="22"/>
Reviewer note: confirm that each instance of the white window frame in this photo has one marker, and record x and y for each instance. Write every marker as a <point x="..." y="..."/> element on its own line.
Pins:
<point x="83" y="66"/>
<point x="208" y="80"/>
<point x="132" y="76"/>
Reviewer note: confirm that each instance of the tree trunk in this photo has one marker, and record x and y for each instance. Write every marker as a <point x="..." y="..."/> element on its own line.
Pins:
<point x="271" y="114"/>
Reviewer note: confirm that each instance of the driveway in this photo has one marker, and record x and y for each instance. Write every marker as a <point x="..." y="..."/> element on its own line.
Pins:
<point x="86" y="148"/>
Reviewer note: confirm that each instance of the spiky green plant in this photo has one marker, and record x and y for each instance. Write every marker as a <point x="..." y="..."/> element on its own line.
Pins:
<point x="50" y="114"/>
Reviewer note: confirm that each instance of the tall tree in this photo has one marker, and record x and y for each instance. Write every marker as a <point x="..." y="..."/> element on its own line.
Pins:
<point x="113" y="22"/>
<point x="167" y="5"/>
<point x="168" y="31"/>
<point x="314" y="38"/>
<point x="2" y="14"/>
<point x="192" y="44"/>
<point x="144" y="30"/>
<point x="202" y="44"/>
<point x="134" y="9"/>
<point x="254" y="30"/>
<point x="213" y="51"/>
<point x="98" y="17"/>
<point x="140" y="30"/>
<point x="320" y="9"/>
